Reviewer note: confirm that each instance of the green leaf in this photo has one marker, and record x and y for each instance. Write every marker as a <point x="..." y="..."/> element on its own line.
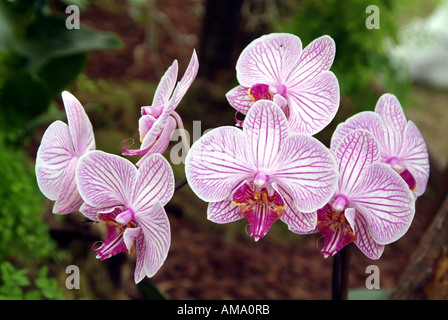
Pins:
<point x="12" y="276"/>
<point x="6" y="27"/>
<point x="22" y="98"/>
<point x="150" y="291"/>
<point x="49" y="286"/>
<point x="49" y="38"/>
<point x="60" y="72"/>
<point x="82" y="4"/>
<point x="33" y="295"/>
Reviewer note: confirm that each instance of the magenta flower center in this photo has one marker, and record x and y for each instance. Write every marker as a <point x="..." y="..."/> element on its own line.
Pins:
<point x="265" y="92"/>
<point x="116" y="223"/>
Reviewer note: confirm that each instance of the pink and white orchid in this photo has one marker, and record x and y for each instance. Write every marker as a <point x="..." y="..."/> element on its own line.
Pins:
<point x="58" y="154"/>
<point x="274" y="67"/>
<point x="400" y="142"/>
<point x="262" y="173"/>
<point x="372" y="205"/>
<point x="158" y="121"/>
<point x="130" y="202"/>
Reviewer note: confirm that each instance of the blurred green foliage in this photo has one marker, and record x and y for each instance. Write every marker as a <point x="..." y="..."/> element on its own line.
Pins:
<point x="16" y="284"/>
<point x="24" y="237"/>
<point x="361" y="64"/>
<point x="39" y="57"/>
<point x="22" y="232"/>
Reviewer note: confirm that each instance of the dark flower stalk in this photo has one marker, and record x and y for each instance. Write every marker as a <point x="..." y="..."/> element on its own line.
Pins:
<point x="340" y="276"/>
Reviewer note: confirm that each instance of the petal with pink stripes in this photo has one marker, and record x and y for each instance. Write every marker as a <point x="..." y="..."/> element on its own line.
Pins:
<point x="217" y="163"/>
<point x="307" y="171"/>
<point x="80" y="126"/>
<point x="365" y="120"/>
<point x="268" y="59"/>
<point x="364" y="240"/>
<point x="166" y="86"/>
<point x="414" y="156"/>
<point x="354" y="154"/>
<point x="266" y="128"/>
<point x="105" y="180"/>
<point x="316" y="58"/>
<point x="391" y="113"/>
<point x="155" y="182"/>
<point x="68" y="199"/>
<point x="298" y="222"/>
<point x="313" y="105"/>
<point x="384" y="200"/>
<point x="223" y="212"/>
<point x="53" y="157"/>
<point x="239" y="99"/>
<point x="156" y="232"/>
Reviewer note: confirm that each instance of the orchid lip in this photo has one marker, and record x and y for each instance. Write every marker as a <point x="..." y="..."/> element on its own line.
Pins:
<point x="259" y="92"/>
<point x="409" y="179"/>
<point x="259" y="208"/>
<point x="336" y="230"/>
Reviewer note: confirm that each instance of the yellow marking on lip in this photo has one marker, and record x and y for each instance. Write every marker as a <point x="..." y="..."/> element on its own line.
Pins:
<point x="261" y="196"/>
<point x="250" y="95"/>
<point x="239" y="203"/>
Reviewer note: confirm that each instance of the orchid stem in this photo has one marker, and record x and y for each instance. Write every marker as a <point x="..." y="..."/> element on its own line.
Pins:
<point x="180" y="184"/>
<point x="180" y="125"/>
<point x="341" y="263"/>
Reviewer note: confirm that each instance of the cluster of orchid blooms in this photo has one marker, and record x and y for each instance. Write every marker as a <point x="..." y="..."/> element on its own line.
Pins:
<point x="267" y="167"/>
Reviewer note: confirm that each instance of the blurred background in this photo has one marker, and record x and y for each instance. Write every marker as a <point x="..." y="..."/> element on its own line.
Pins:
<point x="113" y="63"/>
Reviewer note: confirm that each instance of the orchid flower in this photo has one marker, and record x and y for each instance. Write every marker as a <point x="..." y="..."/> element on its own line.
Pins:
<point x="130" y="202"/>
<point x="372" y="205"/>
<point x="58" y="154"/>
<point x="401" y="144"/>
<point x="274" y="67"/>
<point x="262" y="173"/>
<point x="158" y="121"/>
